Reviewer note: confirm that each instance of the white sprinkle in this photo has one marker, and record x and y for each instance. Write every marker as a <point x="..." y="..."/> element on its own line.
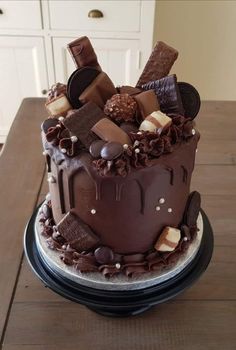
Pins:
<point x="139" y="133"/>
<point x="125" y="146"/>
<point x="158" y="208"/>
<point x="58" y="125"/>
<point x="93" y="211"/>
<point x="74" y="138"/>
<point x="193" y="131"/>
<point x="196" y="150"/>
<point x="162" y="200"/>
<point x="51" y="179"/>
<point x="63" y="150"/>
<point x="169" y="210"/>
<point x="61" y="119"/>
<point x="118" y="266"/>
<point x="137" y="150"/>
<point x="44" y="153"/>
<point x="185" y="239"/>
<point x="136" y="143"/>
<point x="54" y="227"/>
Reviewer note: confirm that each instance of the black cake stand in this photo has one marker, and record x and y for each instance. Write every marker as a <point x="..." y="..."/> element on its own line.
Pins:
<point x="119" y="303"/>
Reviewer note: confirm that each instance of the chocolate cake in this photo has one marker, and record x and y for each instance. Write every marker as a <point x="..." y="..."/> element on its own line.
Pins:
<point x="120" y="161"/>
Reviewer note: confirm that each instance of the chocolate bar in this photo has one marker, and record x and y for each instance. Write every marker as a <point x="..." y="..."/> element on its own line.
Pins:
<point x="58" y="106"/>
<point x="159" y="63"/>
<point x="79" y="122"/>
<point x="168" y="94"/>
<point x="147" y="103"/>
<point x="156" y="122"/>
<point x="83" y="53"/>
<point x="99" y="91"/>
<point x="74" y="230"/>
<point x="109" y="131"/>
<point x="168" y="240"/>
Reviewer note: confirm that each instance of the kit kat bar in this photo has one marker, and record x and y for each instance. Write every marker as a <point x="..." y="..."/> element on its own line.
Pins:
<point x="159" y="63"/>
<point x="83" y="53"/>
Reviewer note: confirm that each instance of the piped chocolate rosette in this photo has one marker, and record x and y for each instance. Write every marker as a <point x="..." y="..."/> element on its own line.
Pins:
<point x="120" y="161"/>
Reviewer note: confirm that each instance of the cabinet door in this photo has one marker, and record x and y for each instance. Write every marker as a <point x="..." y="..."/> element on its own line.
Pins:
<point x="22" y="74"/>
<point x="119" y="58"/>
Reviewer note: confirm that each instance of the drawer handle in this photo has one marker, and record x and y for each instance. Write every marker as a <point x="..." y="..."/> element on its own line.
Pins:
<point x="95" y="14"/>
<point x="1" y="12"/>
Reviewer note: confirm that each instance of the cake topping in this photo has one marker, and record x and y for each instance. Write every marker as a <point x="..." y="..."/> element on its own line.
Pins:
<point x="159" y="63"/>
<point x="49" y="123"/>
<point x="147" y="103"/>
<point x="58" y="106"/>
<point x="192" y="209"/>
<point x="104" y="255"/>
<point x="121" y="107"/>
<point x="83" y="53"/>
<point x="111" y="150"/>
<point x="168" y="239"/>
<point x="96" y="147"/>
<point x="56" y="90"/>
<point x="109" y="131"/>
<point x="190" y="98"/>
<point x="126" y="89"/>
<point x="156" y="122"/>
<point x="77" y="233"/>
<point x="167" y="92"/>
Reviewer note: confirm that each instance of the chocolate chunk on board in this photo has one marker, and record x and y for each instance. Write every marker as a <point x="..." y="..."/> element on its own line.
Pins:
<point x="80" y="121"/>
<point x="167" y="91"/>
<point x="74" y="230"/>
<point x="78" y="82"/>
<point x="159" y="63"/>
<point x="190" y="98"/>
<point x="109" y="131"/>
<point x="147" y="103"/>
<point x="82" y="53"/>
<point x="192" y="209"/>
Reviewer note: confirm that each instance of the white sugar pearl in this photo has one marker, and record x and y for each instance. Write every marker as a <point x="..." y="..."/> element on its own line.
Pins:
<point x="44" y="153"/>
<point x="74" y="139"/>
<point x="193" y="131"/>
<point x="158" y="208"/>
<point x="63" y="150"/>
<point x="58" y="125"/>
<point x="118" y="266"/>
<point x="185" y="239"/>
<point x="169" y="210"/>
<point x="125" y="146"/>
<point x="93" y="211"/>
<point x="51" y="179"/>
<point x="137" y="150"/>
<point x="136" y="143"/>
<point x="139" y="133"/>
<point x="196" y="150"/>
<point x="162" y="200"/>
<point x="61" y="119"/>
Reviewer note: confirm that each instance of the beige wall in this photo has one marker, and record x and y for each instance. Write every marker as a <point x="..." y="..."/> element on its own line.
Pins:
<point x="204" y="33"/>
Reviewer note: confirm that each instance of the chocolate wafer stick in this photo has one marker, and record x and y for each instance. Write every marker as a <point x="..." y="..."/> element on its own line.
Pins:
<point x="159" y="64"/>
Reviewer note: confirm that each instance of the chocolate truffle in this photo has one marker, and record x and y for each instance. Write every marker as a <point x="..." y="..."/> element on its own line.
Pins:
<point x="121" y="107"/>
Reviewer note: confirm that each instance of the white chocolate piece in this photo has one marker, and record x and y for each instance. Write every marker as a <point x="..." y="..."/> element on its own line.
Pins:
<point x="168" y="240"/>
<point x="58" y="106"/>
<point x="156" y="121"/>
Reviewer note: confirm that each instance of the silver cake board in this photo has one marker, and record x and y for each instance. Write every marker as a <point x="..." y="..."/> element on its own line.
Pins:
<point x="119" y="296"/>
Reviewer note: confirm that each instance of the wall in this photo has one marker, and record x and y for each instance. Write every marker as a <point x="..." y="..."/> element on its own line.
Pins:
<point x="204" y="33"/>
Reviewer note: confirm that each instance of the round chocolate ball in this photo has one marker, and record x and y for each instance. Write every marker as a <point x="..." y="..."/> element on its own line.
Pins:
<point x="104" y="255"/>
<point x="121" y="107"/>
<point x="96" y="147"/>
<point x="111" y="150"/>
<point x="49" y="123"/>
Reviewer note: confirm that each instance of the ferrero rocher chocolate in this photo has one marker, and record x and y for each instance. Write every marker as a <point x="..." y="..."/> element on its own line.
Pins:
<point x="121" y="107"/>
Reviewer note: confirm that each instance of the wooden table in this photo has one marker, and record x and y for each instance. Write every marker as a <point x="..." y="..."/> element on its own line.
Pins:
<point x="33" y="317"/>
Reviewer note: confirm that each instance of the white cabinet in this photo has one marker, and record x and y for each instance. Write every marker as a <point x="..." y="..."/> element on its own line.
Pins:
<point x="22" y="74"/>
<point x="34" y="35"/>
<point x="118" y="58"/>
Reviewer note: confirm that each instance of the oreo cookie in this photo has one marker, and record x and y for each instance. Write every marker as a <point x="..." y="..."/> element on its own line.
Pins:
<point x="78" y="82"/>
<point x="190" y="99"/>
<point x="192" y="209"/>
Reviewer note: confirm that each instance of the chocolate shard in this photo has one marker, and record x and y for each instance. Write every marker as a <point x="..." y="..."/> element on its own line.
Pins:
<point x="147" y="103"/>
<point x="77" y="233"/>
<point x="99" y="91"/>
<point x="168" y="94"/>
<point x="80" y="122"/>
<point x="192" y="209"/>
<point x="82" y="53"/>
<point x="159" y="63"/>
<point x="109" y="131"/>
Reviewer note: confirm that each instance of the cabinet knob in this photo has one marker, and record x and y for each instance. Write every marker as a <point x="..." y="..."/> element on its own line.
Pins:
<point x="44" y="92"/>
<point x="95" y="14"/>
<point x="1" y="12"/>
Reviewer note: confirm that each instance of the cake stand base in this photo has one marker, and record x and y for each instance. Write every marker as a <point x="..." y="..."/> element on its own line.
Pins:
<point x="119" y="303"/>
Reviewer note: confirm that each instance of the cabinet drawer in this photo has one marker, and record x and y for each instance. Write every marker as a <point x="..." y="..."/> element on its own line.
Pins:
<point x="20" y="15"/>
<point x="118" y="16"/>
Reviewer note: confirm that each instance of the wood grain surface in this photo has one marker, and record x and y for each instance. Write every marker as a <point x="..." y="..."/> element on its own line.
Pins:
<point x="202" y="318"/>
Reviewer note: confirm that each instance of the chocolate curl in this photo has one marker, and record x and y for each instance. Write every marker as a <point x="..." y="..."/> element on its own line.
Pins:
<point x="109" y="270"/>
<point x="135" y="269"/>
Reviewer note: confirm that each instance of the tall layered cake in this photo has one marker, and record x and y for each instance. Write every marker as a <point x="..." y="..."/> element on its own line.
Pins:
<point x="120" y="161"/>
